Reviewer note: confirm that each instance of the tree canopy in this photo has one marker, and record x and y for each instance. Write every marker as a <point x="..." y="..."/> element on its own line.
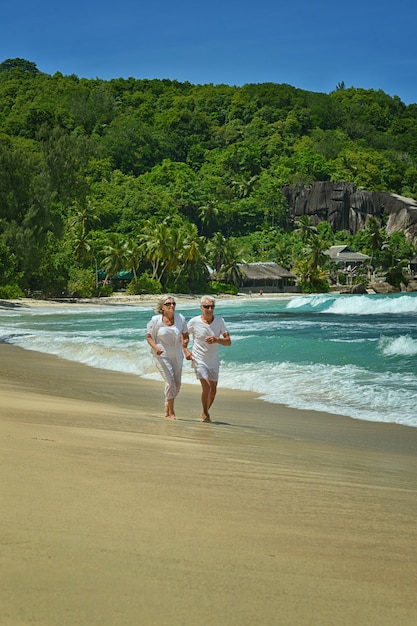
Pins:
<point x="129" y="158"/>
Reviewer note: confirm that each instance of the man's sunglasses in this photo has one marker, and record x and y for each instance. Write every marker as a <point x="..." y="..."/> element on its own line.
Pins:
<point x="208" y="306"/>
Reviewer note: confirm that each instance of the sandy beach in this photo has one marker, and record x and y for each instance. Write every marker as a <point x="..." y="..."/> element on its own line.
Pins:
<point x="119" y="298"/>
<point x="112" y="516"/>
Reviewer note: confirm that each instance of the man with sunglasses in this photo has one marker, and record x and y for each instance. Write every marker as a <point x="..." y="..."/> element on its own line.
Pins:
<point x="208" y="331"/>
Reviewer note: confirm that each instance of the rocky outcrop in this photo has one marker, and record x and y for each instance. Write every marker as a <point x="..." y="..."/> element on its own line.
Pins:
<point x="355" y="289"/>
<point x="411" y="285"/>
<point x="383" y="287"/>
<point x="348" y="208"/>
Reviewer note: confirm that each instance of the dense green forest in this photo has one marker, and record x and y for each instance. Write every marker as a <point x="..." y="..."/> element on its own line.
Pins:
<point x="159" y="179"/>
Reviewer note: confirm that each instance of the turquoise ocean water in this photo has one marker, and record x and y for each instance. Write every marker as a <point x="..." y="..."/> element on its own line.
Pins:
<point x="348" y="355"/>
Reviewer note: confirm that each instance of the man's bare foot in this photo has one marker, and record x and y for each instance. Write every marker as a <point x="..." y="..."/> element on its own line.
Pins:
<point x="171" y="416"/>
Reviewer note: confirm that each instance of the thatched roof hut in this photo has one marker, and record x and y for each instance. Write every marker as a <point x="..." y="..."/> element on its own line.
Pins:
<point x="266" y="276"/>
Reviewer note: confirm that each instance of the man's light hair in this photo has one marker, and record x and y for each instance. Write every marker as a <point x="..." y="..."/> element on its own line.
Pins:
<point x="209" y="298"/>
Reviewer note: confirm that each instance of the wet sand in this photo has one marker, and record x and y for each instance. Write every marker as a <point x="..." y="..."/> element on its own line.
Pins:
<point x="111" y="515"/>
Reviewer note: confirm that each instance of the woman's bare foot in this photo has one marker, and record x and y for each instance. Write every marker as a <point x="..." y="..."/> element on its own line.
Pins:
<point x="169" y="409"/>
<point x="205" y="417"/>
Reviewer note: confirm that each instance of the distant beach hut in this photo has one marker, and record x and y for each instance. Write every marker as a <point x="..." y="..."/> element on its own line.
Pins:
<point x="268" y="277"/>
<point x="345" y="256"/>
<point x="348" y="260"/>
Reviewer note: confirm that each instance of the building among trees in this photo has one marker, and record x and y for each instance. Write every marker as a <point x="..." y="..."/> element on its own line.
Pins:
<point x="346" y="257"/>
<point x="266" y="276"/>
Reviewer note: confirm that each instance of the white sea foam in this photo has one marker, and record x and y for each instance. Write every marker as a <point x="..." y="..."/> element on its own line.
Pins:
<point x="312" y="302"/>
<point x="398" y="346"/>
<point x="130" y="357"/>
<point x="356" y="304"/>
<point x="368" y="305"/>
<point x="343" y="390"/>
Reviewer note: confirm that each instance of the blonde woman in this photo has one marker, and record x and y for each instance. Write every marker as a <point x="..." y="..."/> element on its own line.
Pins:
<point x="167" y="335"/>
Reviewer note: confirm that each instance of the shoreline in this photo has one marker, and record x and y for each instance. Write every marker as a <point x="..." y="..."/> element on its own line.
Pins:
<point x="111" y="514"/>
<point x="142" y="300"/>
<point x="150" y="301"/>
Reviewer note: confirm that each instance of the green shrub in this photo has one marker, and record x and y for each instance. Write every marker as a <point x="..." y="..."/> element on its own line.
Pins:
<point x="144" y="284"/>
<point x="395" y="276"/>
<point x="82" y="283"/>
<point x="11" y="292"/>
<point x="320" y="285"/>
<point x="103" y="291"/>
<point x="218" y="287"/>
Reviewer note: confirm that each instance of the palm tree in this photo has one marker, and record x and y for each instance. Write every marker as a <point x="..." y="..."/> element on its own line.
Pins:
<point x="216" y="251"/>
<point x="375" y="236"/>
<point x="80" y="225"/>
<point x="208" y="215"/>
<point x="135" y="255"/>
<point x="158" y="248"/>
<point x="190" y="251"/>
<point x="116" y="256"/>
<point x="85" y="218"/>
<point x="305" y="228"/>
<point x="243" y="186"/>
<point x="310" y="267"/>
<point x="317" y="246"/>
<point x="230" y="269"/>
<point x="82" y="245"/>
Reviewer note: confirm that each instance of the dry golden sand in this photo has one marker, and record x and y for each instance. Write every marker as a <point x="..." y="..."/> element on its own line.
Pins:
<point x="111" y="515"/>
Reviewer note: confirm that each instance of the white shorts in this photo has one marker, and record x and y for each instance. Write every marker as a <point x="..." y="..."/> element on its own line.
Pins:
<point x="207" y="373"/>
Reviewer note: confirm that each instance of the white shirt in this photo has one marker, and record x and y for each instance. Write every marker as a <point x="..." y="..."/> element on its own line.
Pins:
<point x="203" y="352"/>
<point x="168" y="338"/>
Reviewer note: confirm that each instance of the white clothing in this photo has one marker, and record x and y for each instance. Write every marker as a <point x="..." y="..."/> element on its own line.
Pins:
<point x="169" y="339"/>
<point x="170" y="369"/>
<point x="206" y="361"/>
<point x="201" y="371"/>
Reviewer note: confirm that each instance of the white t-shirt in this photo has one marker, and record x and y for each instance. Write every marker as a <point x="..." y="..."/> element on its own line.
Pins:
<point x="168" y="337"/>
<point x="203" y="352"/>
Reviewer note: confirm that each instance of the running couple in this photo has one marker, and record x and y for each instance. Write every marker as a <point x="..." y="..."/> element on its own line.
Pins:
<point x="168" y="336"/>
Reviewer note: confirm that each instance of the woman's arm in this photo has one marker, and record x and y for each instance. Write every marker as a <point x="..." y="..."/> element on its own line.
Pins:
<point x="153" y="345"/>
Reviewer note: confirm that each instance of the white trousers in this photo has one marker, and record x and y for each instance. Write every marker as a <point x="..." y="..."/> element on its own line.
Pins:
<point x="170" y="369"/>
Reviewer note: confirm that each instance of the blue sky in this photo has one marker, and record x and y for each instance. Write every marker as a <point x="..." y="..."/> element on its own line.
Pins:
<point x="308" y="45"/>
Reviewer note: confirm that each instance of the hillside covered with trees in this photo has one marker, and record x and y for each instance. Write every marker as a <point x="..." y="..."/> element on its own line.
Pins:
<point x="160" y="179"/>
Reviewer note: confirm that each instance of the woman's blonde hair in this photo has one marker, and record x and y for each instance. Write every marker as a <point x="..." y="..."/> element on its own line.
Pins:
<point x="161" y="301"/>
